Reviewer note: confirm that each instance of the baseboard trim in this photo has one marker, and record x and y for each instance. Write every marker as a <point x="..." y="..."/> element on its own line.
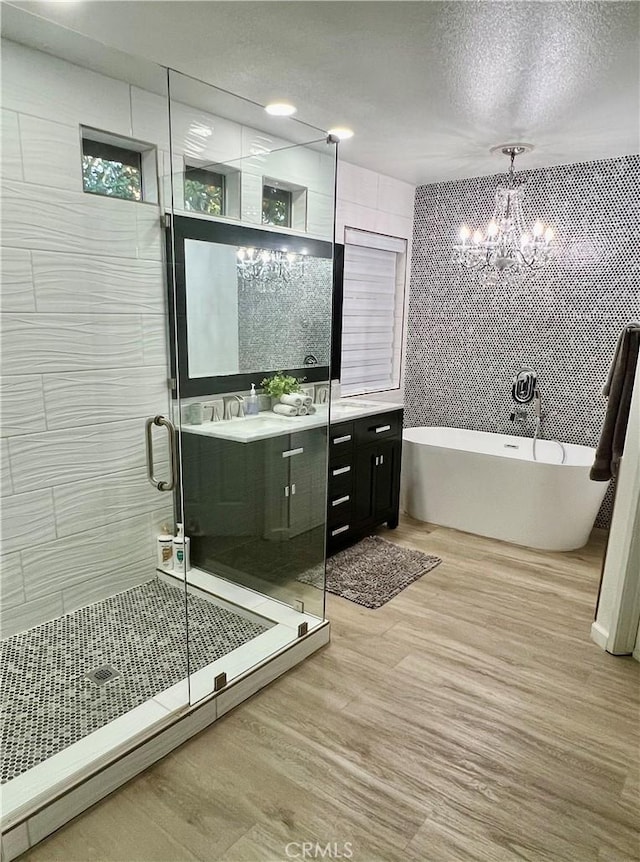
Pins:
<point x="599" y="635"/>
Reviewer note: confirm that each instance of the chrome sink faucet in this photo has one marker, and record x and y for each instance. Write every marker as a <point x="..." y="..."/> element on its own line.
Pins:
<point x="233" y="406"/>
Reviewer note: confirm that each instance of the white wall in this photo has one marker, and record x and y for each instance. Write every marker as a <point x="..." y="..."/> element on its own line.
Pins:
<point x="373" y="202"/>
<point x="616" y="625"/>
<point x="83" y="332"/>
<point x="83" y="351"/>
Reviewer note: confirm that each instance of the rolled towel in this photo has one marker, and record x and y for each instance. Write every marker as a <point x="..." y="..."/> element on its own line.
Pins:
<point x="307" y="400"/>
<point x="303" y="411"/>
<point x="311" y="410"/>
<point x="285" y="409"/>
<point x="296" y="399"/>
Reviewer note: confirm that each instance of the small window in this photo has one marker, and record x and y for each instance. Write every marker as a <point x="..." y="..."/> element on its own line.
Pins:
<point x="372" y="312"/>
<point x="204" y="191"/>
<point x="111" y="170"/>
<point x="277" y="206"/>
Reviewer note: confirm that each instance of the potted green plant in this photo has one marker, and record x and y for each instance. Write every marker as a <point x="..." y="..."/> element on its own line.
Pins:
<point x="281" y="384"/>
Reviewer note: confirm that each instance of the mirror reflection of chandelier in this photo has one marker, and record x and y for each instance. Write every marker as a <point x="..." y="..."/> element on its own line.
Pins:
<point x="506" y="246"/>
<point x="269" y="269"/>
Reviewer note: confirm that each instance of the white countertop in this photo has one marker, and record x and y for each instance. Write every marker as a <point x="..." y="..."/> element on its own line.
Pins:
<point x="267" y="424"/>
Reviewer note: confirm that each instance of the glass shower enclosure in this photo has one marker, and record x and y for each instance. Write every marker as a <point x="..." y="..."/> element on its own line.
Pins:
<point x="250" y="252"/>
<point x="133" y="329"/>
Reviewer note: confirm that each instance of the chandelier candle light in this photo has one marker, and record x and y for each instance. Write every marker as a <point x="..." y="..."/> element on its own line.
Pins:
<point x="506" y="247"/>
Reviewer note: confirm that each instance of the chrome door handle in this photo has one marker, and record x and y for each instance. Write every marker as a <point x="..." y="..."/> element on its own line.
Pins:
<point x="345" y="439"/>
<point x="291" y="452"/>
<point x="382" y="428"/>
<point x="161" y="421"/>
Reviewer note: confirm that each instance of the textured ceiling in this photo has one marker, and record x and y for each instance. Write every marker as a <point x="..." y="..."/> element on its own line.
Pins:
<point x="428" y="87"/>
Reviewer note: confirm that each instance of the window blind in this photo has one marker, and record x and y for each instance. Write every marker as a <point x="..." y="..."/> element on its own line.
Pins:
<point x="371" y="312"/>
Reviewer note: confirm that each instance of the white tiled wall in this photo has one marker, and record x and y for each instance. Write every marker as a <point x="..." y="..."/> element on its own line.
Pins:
<point x="373" y="202"/>
<point x="84" y="324"/>
<point x="82" y="286"/>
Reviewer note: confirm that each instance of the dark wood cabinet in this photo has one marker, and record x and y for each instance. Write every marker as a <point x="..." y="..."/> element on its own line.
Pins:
<point x="260" y="506"/>
<point x="295" y="484"/>
<point x="255" y="512"/>
<point x="364" y="477"/>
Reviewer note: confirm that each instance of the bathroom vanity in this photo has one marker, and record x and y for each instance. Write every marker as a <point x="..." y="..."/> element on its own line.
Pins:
<point x="255" y="488"/>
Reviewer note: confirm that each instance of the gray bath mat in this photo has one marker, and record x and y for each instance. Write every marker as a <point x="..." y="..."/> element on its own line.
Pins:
<point x="374" y="571"/>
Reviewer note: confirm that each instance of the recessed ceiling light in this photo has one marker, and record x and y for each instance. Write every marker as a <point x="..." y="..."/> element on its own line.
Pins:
<point x="341" y="133"/>
<point x="280" y="109"/>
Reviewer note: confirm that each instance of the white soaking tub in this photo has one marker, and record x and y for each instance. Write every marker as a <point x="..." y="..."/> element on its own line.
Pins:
<point x="489" y="484"/>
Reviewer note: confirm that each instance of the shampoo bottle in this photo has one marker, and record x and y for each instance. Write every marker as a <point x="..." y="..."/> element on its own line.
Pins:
<point x="252" y="406"/>
<point x="181" y="551"/>
<point x="165" y="549"/>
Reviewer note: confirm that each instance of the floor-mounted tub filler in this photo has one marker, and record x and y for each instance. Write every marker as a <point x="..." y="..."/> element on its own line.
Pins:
<point x="489" y="484"/>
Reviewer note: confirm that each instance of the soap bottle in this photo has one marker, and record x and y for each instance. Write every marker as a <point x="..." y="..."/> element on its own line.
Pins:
<point x="252" y="407"/>
<point x="165" y="549"/>
<point x="181" y="544"/>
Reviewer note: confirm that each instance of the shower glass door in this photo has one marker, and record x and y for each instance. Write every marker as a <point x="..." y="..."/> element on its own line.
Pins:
<point x="250" y="247"/>
<point x="94" y="649"/>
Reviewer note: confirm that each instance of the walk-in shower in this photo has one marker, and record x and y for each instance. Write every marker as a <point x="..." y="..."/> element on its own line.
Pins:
<point x="118" y="363"/>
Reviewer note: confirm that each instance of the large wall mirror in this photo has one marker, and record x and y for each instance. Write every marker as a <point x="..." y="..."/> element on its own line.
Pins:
<point x="249" y="302"/>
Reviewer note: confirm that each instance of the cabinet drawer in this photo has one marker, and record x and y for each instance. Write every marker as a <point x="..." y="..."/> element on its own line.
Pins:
<point x="379" y="427"/>
<point x="341" y="475"/>
<point x="339" y="531"/>
<point x="339" y="507"/>
<point x="340" y="438"/>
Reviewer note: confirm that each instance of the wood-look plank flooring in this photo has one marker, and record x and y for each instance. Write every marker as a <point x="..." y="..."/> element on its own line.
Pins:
<point x="470" y="718"/>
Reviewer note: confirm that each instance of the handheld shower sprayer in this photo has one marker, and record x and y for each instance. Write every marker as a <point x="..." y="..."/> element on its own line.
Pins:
<point x="537" y="404"/>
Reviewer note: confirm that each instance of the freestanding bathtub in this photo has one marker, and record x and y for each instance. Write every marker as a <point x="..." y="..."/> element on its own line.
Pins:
<point x="489" y="484"/>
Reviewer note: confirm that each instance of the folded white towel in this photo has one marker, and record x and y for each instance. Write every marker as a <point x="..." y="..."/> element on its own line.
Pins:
<point x="303" y="411"/>
<point x="285" y="409"/>
<point x="295" y="399"/>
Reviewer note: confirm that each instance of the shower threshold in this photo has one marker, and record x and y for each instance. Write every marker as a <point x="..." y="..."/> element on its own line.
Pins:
<point x="273" y="638"/>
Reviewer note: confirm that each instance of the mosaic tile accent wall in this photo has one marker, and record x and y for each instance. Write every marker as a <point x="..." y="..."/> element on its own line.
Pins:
<point x="468" y="335"/>
<point x="288" y="323"/>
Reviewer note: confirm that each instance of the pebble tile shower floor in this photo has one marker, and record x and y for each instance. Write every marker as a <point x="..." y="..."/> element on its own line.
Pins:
<point x="48" y="703"/>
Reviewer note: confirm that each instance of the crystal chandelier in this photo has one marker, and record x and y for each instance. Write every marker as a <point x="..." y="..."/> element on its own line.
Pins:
<point x="506" y="247"/>
<point x="269" y="270"/>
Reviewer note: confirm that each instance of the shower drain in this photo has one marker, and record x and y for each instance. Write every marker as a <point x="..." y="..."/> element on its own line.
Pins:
<point x="103" y="674"/>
